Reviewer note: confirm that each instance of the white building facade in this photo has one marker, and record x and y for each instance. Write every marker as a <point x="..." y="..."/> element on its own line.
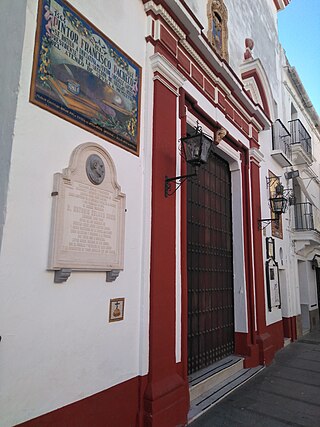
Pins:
<point x="118" y="285"/>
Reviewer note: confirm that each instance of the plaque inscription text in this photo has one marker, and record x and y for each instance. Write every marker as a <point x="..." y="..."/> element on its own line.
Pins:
<point x="87" y="231"/>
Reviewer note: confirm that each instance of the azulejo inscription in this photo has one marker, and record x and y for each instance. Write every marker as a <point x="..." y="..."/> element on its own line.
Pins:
<point x="87" y="232"/>
<point x="83" y="77"/>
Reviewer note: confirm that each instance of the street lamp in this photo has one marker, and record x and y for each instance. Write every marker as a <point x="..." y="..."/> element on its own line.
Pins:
<point x="195" y="149"/>
<point x="278" y="204"/>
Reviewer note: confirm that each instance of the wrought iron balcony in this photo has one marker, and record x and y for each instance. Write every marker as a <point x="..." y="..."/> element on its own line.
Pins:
<point x="299" y="135"/>
<point x="304" y="218"/>
<point x="306" y="233"/>
<point x="281" y="144"/>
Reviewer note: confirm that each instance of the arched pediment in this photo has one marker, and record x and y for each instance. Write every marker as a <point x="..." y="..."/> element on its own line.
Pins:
<point x="256" y="82"/>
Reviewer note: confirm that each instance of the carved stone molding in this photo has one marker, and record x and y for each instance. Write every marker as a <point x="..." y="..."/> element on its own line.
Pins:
<point x="249" y="44"/>
<point x="157" y="9"/>
<point x="62" y="275"/>
<point x="112" y="275"/>
<point x="256" y="155"/>
<point x="162" y="67"/>
<point x="219" y="135"/>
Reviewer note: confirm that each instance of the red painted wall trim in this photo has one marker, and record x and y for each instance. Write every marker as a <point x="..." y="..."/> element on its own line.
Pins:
<point x="277" y="4"/>
<point x="166" y="399"/>
<point x="267" y="343"/>
<point x="274" y="342"/>
<point x="253" y="73"/>
<point x="161" y="48"/>
<point x="290" y="327"/>
<point x="205" y="118"/>
<point x="257" y="248"/>
<point x="245" y="165"/>
<point x="114" y="407"/>
<point x="184" y="266"/>
<point x="244" y="344"/>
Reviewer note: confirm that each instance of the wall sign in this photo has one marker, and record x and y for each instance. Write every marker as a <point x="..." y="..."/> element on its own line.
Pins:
<point x="116" y="310"/>
<point x="88" y="216"/>
<point x="273" y="284"/>
<point x="81" y="76"/>
<point x="270" y="247"/>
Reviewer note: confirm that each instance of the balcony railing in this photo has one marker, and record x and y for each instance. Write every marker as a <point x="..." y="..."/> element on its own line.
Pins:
<point x="299" y="135"/>
<point x="306" y="217"/>
<point x="281" y="138"/>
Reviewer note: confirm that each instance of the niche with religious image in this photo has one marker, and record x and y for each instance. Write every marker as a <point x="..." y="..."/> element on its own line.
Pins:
<point x="217" y="27"/>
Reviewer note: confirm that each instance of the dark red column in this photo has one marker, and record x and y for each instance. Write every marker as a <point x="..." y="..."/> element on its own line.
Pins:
<point x="267" y="338"/>
<point x="245" y="343"/>
<point x="166" y="396"/>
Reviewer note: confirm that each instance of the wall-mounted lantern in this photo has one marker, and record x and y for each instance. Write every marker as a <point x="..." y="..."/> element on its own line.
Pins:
<point x="195" y="149"/>
<point x="278" y="202"/>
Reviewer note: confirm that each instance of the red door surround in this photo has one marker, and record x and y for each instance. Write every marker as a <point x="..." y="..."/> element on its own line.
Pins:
<point x="166" y="399"/>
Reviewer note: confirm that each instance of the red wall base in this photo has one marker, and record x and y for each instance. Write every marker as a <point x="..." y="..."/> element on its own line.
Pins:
<point x="116" y="407"/>
<point x="168" y="408"/>
<point x="266" y="348"/>
<point x="290" y="327"/>
<point x="270" y="342"/>
<point x="244" y="348"/>
<point x="267" y="344"/>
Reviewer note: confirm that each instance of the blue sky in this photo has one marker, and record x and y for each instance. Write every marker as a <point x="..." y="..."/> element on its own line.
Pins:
<point x="299" y="33"/>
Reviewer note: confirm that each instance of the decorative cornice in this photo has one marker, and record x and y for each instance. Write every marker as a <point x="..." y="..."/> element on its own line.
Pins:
<point x="256" y="155"/>
<point x="281" y="4"/>
<point x="203" y="65"/>
<point x="260" y="76"/>
<point x="251" y="86"/>
<point x="173" y="79"/>
<point x="306" y="113"/>
<point x="303" y="95"/>
<point x="261" y="120"/>
<point x="157" y="9"/>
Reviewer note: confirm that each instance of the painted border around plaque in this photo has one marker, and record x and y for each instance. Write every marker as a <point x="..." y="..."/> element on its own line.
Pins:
<point x="80" y="75"/>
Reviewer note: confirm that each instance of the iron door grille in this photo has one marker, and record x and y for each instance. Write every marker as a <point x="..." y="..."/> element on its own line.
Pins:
<point x="210" y="266"/>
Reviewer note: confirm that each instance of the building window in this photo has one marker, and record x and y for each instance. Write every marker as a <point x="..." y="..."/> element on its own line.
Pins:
<point x="218" y="27"/>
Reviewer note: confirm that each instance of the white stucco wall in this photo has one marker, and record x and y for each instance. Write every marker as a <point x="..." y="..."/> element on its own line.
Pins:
<point x="57" y="345"/>
<point x="10" y="51"/>
<point x="254" y="19"/>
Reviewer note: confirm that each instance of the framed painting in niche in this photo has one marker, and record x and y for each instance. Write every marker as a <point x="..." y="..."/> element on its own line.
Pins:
<point x="276" y="226"/>
<point x="83" y="77"/>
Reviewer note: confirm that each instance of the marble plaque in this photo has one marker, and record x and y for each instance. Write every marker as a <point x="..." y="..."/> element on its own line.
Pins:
<point x="87" y="231"/>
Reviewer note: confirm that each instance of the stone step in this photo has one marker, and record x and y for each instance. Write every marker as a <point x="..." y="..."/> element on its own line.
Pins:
<point x="211" y="397"/>
<point x="203" y="380"/>
<point x="286" y="341"/>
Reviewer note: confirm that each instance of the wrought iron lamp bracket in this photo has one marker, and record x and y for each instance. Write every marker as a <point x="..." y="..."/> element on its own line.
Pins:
<point x="271" y="179"/>
<point x="263" y="223"/>
<point x="178" y="180"/>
